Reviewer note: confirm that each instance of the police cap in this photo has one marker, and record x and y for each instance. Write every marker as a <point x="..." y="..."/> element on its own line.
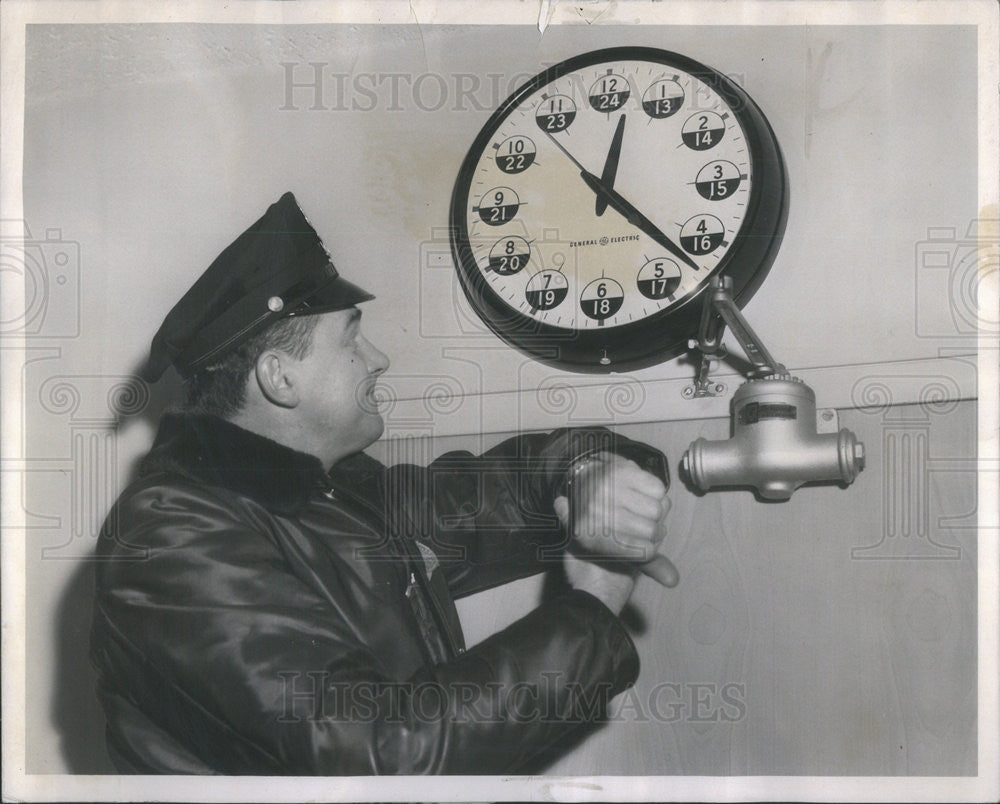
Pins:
<point x="275" y="269"/>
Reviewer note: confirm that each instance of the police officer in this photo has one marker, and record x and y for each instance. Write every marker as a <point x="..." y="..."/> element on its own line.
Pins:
<point x="274" y="601"/>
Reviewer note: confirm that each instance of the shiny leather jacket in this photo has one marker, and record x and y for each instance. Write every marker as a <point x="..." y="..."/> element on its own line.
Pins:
<point x="257" y="615"/>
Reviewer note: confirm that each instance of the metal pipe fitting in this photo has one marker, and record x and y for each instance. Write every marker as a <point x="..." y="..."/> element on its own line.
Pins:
<point x="775" y="446"/>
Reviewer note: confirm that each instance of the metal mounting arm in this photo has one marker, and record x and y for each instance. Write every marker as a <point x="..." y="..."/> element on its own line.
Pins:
<point x="718" y="312"/>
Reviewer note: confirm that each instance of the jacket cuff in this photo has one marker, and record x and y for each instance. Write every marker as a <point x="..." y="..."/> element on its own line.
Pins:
<point x="621" y="649"/>
<point x="648" y="458"/>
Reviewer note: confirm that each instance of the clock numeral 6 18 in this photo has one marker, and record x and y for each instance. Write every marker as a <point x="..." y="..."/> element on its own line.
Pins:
<point x="601" y="299"/>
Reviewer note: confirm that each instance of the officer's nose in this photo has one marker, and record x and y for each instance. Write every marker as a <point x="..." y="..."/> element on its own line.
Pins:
<point x="375" y="359"/>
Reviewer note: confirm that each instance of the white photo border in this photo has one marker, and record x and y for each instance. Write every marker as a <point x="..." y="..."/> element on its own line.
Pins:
<point x="17" y="14"/>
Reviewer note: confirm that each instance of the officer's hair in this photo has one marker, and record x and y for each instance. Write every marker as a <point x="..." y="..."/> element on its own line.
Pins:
<point x="221" y="388"/>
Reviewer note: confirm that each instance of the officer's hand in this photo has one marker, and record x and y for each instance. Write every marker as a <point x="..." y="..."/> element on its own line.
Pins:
<point x="618" y="518"/>
<point x="618" y="511"/>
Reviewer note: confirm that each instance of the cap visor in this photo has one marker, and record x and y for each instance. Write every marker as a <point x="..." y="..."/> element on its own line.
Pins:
<point x="336" y="295"/>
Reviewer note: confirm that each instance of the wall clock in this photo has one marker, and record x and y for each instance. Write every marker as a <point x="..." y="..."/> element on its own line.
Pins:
<point x="597" y="203"/>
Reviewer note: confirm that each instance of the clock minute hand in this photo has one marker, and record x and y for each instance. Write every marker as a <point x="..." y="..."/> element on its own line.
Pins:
<point x="570" y="156"/>
<point x="629" y="212"/>
<point x="636" y="218"/>
<point x="611" y="165"/>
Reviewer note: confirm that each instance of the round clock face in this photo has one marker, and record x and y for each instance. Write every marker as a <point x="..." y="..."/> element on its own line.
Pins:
<point x="598" y="201"/>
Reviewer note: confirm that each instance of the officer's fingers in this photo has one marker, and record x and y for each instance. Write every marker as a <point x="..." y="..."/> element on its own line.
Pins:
<point x="621" y="547"/>
<point x="662" y="528"/>
<point x="665" y="505"/>
<point x="620" y="483"/>
<point x="619" y="523"/>
<point x="628" y="474"/>
<point x="644" y="505"/>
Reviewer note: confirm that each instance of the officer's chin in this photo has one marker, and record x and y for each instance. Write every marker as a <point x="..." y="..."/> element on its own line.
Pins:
<point x="377" y="427"/>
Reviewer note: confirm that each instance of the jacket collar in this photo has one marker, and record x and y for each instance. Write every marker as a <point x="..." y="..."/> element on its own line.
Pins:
<point x="216" y="452"/>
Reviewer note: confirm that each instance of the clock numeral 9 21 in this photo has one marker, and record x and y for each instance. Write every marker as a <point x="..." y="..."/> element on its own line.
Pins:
<point x="498" y="206"/>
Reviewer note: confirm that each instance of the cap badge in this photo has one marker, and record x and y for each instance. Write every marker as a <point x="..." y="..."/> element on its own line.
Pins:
<point x="274" y="304"/>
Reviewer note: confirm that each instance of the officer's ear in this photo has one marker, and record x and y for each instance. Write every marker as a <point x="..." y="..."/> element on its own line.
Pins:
<point x="274" y="381"/>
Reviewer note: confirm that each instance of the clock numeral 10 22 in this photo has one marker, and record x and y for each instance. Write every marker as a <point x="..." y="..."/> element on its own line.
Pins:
<point x="515" y="154"/>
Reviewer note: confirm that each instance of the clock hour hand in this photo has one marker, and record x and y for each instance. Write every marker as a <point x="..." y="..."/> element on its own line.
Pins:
<point x="629" y="212"/>
<point x="611" y="165"/>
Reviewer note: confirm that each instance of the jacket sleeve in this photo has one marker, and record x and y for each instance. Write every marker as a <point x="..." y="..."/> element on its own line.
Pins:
<point x="490" y="519"/>
<point x="253" y="670"/>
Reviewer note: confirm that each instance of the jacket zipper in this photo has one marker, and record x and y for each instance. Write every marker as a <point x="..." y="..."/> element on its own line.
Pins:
<point x="429" y="630"/>
<point x="417" y="581"/>
<point x="422" y="580"/>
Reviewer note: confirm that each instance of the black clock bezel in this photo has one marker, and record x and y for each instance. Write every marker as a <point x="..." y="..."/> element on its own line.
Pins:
<point x="664" y="334"/>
